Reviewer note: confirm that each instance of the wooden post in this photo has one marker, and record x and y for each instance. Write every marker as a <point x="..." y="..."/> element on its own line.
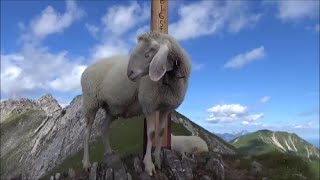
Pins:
<point x="159" y="23"/>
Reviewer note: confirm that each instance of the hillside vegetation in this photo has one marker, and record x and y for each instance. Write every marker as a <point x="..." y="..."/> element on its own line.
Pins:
<point x="284" y="155"/>
<point x="265" y="141"/>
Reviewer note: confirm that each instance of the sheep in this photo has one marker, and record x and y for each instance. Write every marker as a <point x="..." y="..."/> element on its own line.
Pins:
<point x="188" y="144"/>
<point x="154" y="77"/>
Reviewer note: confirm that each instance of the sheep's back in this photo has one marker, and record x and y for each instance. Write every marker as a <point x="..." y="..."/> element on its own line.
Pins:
<point x="189" y="144"/>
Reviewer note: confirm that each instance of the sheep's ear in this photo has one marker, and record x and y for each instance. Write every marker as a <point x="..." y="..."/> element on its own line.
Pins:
<point x="158" y="65"/>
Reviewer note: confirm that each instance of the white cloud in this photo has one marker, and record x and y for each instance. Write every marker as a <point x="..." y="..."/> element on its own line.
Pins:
<point x="306" y="125"/>
<point x="265" y="99"/>
<point x="69" y="81"/>
<point x="228" y="113"/>
<point x="117" y="23"/>
<point x="243" y="59"/>
<point x="210" y="17"/>
<point x="50" y="21"/>
<point x="298" y="126"/>
<point x="42" y="67"/>
<point x="244" y="123"/>
<point x="247" y="123"/>
<point x="297" y="10"/>
<point x="109" y="48"/>
<point x="254" y="117"/>
<point x="197" y="66"/>
<point x="13" y="80"/>
<point x="34" y="68"/>
<point x="317" y="28"/>
<point x="92" y="29"/>
<point x="120" y="19"/>
<point x="228" y="109"/>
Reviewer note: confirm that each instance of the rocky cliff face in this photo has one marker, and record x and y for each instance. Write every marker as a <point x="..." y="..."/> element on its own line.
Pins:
<point x="15" y="107"/>
<point x="37" y="135"/>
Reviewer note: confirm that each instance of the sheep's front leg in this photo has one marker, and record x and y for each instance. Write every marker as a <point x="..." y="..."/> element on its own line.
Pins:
<point x="162" y="118"/>
<point x="148" y="164"/>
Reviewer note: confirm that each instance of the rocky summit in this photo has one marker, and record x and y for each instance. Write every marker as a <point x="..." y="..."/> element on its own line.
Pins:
<point x="38" y="137"/>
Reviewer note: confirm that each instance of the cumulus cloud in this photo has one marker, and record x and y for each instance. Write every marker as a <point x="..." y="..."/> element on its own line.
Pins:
<point x="117" y="25"/>
<point x="68" y="82"/>
<point x="92" y="29"/>
<point x="210" y="17"/>
<point x="254" y="117"/>
<point x="50" y="21"/>
<point x="109" y="48"/>
<point x="34" y="67"/>
<point x="265" y="99"/>
<point x="243" y="59"/>
<point x="297" y="10"/>
<point x="228" y="113"/>
<point x="120" y="19"/>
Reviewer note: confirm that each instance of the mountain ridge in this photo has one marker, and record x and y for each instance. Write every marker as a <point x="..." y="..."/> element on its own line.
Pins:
<point x="40" y="135"/>
<point x="264" y="141"/>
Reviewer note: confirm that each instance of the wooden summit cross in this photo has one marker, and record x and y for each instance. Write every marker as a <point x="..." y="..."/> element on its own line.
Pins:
<point x="159" y="23"/>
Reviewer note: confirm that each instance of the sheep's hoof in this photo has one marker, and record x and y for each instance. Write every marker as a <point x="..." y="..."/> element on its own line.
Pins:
<point x="150" y="169"/>
<point x="87" y="166"/>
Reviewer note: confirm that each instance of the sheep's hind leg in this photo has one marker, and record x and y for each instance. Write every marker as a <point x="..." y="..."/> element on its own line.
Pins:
<point x="89" y="118"/>
<point x="148" y="164"/>
<point x="162" y="118"/>
<point x="106" y="123"/>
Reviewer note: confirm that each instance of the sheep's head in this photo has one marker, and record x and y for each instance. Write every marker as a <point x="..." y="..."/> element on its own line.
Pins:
<point x="148" y="57"/>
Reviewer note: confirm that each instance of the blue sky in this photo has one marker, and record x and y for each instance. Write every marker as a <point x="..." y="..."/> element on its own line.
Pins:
<point x="255" y="64"/>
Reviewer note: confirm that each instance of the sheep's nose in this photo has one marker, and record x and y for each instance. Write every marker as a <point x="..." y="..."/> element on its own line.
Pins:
<point x="129" y="73"/>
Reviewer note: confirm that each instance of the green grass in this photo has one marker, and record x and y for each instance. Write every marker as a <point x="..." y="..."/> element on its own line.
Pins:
<point x="179" y="130"/>
<point x="284" y="165"/>
<point x="14" y="119"/>
<point x="314" y="166"/>
<point x="276" y="165"/>
<point x="126" y="137"/>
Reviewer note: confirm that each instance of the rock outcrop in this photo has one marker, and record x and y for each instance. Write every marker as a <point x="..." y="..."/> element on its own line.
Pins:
<point x="208" y="166"/>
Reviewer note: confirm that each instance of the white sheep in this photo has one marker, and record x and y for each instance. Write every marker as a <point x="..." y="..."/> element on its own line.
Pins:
<point x="188" y="144"/>
<point x="154" y="78"/>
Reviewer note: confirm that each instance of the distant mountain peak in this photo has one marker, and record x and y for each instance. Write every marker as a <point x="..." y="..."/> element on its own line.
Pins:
<point x="18" y="106"/>
<point x="231" y="136"/>
<point x="263" y="141"/>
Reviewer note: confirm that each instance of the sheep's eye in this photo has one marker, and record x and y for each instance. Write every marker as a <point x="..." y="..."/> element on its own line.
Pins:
<point x="147" y="55"/>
